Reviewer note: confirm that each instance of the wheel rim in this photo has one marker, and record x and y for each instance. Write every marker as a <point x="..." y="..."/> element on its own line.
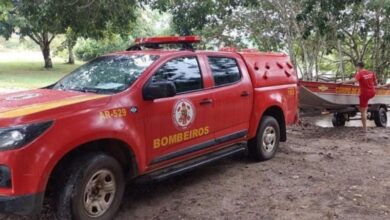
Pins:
<point x="383" y="117"/>
<point x="269" y="139"/>
<point x="99" y="193"/>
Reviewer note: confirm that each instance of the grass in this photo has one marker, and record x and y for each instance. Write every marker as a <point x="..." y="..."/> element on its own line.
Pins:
<point x="29" y="73"/>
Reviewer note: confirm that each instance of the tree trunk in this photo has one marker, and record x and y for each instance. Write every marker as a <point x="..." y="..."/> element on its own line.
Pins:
<point x="71" y="55"/>
<point x="71" y="40"/>
<point x="45" y="48"/>
<point x="291" y="51"/>
<point x="307" y="74"/>
<point x="341" y="58"/>
<point x="44" y="43"/>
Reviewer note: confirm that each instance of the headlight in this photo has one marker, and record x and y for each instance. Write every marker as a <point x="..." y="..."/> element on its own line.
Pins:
<point x="18" y="136"/>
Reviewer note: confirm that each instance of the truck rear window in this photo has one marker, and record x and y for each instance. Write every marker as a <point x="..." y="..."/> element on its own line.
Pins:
<point x="107" y="74"/>
<point x="224" y="70"/>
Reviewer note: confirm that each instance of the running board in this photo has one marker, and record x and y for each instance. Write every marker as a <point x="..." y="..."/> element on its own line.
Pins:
<point x="186" y="166"/>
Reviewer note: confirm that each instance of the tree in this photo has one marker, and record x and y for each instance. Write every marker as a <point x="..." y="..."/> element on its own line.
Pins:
<point x="38" y="21"/>
<point x="42" y="20"/>
<point x="191" y="16"/>
<point x="5" y="28"/>
<point x="70" y="42"/>
<point x="360" y="29"/>
<point x="315" y="33"/>
<point x="149" y="23"/>
<point x="96" y="19"/>
<point x="267" y="24"/>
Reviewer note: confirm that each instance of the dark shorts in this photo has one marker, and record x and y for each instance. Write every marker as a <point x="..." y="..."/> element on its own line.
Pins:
<point x="365" y="97"/>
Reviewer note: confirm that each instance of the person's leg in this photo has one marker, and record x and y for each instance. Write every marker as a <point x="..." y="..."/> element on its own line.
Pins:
<point x="363" y="112"/>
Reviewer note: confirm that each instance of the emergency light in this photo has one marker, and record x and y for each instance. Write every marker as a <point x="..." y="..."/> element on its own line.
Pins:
<point x="168" y="40"/>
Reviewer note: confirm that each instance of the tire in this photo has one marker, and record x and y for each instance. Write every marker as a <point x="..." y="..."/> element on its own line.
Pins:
<point x="338" y="120"/>
<point x="264" y="146"/>
<point x="84" y="181"/>
<point x="380" y="117"/>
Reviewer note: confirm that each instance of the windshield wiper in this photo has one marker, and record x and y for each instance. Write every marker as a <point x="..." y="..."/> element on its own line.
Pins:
<point x="58" y="86"/>
<point x="87" y="90"/>
<point x="96" y="90"/>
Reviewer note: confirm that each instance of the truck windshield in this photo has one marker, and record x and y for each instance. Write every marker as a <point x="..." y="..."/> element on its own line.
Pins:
<point x="107" y="74"/>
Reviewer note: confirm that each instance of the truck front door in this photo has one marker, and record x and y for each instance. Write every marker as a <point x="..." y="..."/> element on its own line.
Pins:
<point x="180" y="126"/>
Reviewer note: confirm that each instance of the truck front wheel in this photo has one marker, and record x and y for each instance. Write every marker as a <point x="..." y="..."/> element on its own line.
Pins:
<point x="265" y="144"/>
<point x="93" y="188"/>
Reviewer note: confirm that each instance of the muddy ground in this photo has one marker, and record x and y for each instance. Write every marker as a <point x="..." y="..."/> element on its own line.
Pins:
<point x="320" y="173"/>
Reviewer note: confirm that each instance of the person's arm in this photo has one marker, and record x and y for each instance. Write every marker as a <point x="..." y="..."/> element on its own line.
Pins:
<point x="375" y="79"/>
<point x="351" y="81"/>
<point x="384" y="86"/>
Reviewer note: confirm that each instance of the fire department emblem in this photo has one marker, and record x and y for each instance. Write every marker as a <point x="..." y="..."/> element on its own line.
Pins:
<point x="183" y="114"/>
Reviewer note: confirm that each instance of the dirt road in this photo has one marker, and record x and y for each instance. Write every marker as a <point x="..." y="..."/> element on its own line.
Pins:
<point x="320" y="173"/>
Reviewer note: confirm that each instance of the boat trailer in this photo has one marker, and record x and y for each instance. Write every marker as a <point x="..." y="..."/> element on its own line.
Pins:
<point x="342" y="101"/>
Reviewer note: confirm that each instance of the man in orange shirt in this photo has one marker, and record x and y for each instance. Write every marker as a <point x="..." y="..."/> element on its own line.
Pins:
<point x="367" y="82"/>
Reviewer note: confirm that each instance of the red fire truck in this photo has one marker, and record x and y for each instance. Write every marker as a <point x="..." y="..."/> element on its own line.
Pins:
<point x="143" y="114"/>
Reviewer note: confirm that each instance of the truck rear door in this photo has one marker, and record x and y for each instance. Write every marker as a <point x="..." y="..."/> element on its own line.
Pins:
<point x="232" y="95"/>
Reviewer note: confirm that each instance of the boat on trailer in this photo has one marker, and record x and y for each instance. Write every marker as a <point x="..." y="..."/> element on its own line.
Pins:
<point x="343" y="101"/>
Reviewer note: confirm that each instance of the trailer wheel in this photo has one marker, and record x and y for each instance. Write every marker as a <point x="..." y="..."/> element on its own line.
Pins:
<point x="265" y="144"/>
<point x="338" y="120"/>
<point x="380" y="117"/>
<point x="93" y="189"/>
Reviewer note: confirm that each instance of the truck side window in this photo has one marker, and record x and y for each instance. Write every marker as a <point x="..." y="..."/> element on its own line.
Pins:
<point x="224" y="70"/>
<point x="183" y="71"/>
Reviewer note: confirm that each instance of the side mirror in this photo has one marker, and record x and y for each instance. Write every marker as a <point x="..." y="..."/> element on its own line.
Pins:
<point x="156" y="90"/>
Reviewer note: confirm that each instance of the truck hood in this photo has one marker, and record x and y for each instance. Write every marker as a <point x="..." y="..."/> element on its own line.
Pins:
<point x="24" y="103"/>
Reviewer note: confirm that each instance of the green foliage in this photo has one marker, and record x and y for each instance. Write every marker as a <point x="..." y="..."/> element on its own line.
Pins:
<point x="90" y="18"/>
<point x="5" y="26"/>
<point x="309" y="30"/>
<point x="152" y="23"/>
<point x="42" y="20"/>
<point x="362" y="26"/>
<point x="192" y="16"/>
<point x="148" y="23"/>
<point x="87" y="49"/>
<point x="84" y="17"/>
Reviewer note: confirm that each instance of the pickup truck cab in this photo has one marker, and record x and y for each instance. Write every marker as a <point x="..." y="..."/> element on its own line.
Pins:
<point x="143" y="114"/>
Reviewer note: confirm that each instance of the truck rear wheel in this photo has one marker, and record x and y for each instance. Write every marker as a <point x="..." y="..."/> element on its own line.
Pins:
<point x="380" y="117"/>
<point x="265" y="144"/>
<point x="93" y="188"/>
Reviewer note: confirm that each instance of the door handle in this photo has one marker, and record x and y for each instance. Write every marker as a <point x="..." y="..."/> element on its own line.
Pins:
<point x="245" y="94"/>
<point x="206" y="101"/>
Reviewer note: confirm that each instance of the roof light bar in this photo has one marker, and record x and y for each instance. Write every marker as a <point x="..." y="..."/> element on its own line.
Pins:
<point x="156" y="42"/>
<point x="168" y="40"/>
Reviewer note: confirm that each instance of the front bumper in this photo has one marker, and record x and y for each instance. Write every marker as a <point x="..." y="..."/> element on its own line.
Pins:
<point x="22" y="205"/>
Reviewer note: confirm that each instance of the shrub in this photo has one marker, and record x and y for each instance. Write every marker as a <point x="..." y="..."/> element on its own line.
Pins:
<point x="87" y="49"/>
